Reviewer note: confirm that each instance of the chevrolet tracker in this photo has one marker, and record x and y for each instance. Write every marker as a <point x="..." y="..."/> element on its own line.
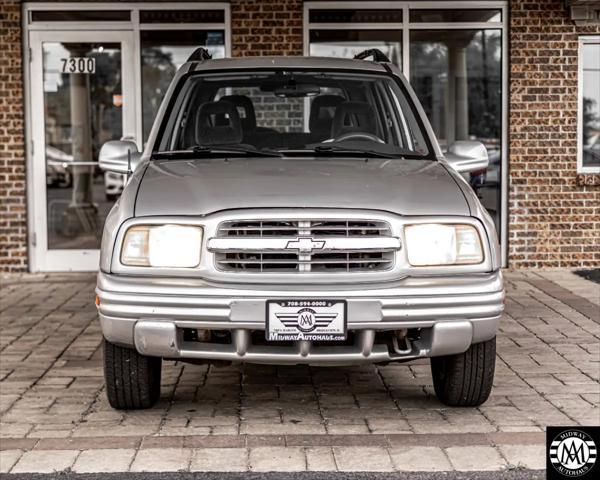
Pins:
<point x="293" y="210"/>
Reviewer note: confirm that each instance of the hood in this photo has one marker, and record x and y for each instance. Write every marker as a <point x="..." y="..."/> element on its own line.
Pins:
<point x="204" y="186"/>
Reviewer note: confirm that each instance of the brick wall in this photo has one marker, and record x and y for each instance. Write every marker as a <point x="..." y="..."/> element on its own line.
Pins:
<point x="266" y="27"/>
<point x="554" y="221"/>
<point x="13" y="205"/>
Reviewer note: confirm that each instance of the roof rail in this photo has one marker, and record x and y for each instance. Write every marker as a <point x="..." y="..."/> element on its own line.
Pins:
<point x="378" y="55"/>
<point x="199" y="55"/>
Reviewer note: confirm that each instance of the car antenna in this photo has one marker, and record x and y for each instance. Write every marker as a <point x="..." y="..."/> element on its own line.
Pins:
<point x="378" y="55"/>
<point x="129" y="172"/>
<point x="199" y="55"/>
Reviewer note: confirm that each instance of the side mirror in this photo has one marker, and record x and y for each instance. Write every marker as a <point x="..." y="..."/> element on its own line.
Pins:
<point x="467" y="156"/>
<point x="119" y="156"/>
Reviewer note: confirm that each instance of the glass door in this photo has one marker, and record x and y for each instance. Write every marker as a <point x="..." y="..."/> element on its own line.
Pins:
<point x="82" y="95"/>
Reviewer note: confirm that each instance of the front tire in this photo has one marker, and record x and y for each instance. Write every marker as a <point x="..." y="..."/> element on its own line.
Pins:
<point x="132" y="379"/>
<point x="465" y="379"/>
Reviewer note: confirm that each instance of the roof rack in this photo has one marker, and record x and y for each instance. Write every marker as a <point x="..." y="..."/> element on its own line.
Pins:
<point x="199" y="55"/>
<point x="378" y="55"/>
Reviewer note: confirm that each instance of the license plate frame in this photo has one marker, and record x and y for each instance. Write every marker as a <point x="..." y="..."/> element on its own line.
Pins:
<point x="323" y="320"/>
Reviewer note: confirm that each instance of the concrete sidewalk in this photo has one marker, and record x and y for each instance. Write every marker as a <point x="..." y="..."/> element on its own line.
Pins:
<point x="55" y="417"/>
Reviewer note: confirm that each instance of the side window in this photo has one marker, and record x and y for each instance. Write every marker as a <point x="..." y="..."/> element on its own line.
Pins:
<point x="588" y="137"/>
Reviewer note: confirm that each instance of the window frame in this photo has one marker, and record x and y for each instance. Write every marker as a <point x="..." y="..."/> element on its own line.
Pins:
<point x="583" y="40"/>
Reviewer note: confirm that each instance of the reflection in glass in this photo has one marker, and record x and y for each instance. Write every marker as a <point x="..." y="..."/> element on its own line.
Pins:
<point x="163" y="52"/>
<point x="182" y="16"/>
<point x="354" y="15"/>
<point x="437" y="15"/>
<point x="80" y="16"/>
<point x="590" y="146"/>
<point x="457" y="75"/>
<point x="348" y="43"/>
<point x="82" y="110"/>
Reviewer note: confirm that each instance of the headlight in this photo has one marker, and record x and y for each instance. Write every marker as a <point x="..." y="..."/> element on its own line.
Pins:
<point x="441" y="244"/>
<point x="162" y="246"/>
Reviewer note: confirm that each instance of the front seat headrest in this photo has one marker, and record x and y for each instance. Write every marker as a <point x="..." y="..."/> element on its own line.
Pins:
<point x="353" y="117"/>
<point x="207" y="130"/>
<point x="244" y="103"/>
<point x="322" y="110"/>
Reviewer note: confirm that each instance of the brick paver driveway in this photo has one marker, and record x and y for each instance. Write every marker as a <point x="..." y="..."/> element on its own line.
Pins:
<point x="55" y="415"/>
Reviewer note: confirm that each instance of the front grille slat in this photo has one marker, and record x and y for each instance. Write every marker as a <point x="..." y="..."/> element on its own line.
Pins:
<point x="262" y="261"/>
<point x="319" y="259"/>
<point x="260" y="230"/>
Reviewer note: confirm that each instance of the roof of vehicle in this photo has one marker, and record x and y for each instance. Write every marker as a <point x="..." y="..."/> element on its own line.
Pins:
<point x="287" y="62"/>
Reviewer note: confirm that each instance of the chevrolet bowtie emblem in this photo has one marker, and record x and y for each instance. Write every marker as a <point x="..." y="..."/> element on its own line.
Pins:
<point x="305" y="245"/>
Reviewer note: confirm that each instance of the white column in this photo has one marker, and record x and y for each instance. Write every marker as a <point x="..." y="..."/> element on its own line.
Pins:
<point x="81" y="216"/>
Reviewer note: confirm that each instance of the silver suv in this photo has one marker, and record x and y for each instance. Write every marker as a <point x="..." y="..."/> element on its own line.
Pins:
<point x="295" y="210"/>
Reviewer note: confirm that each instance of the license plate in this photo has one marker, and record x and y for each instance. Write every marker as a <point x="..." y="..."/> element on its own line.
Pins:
<point x="322" y="320"/>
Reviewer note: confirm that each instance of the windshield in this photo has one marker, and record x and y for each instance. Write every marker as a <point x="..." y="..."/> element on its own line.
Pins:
<point x="294" y="112"/>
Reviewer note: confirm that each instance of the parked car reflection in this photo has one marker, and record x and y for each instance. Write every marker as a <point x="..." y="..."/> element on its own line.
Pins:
<point x="113" y="185"/>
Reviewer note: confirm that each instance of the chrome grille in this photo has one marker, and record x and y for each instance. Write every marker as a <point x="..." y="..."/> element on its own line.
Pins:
<point x="273" y="228"/>
<point x="327" y="246"/>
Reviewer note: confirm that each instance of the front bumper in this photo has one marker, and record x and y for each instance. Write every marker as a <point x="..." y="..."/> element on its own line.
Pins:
<point x="150" y="313"/>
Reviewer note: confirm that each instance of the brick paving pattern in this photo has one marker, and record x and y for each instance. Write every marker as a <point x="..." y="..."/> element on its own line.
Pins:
<point x="55" y="416"/>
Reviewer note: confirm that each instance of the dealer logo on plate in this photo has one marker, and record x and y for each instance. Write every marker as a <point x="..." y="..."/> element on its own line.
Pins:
<point x="306" y="319"/>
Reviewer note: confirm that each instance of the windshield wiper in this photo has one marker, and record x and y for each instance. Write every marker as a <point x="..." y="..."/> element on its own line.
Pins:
<point x="228" y="149"/>
<point x="367" y="152"/>
<point x="236" y="149"/>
